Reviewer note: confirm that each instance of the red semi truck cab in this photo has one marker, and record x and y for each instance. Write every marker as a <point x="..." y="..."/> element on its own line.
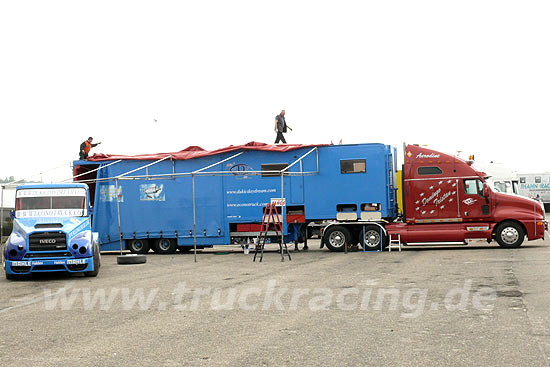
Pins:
<point x="445" y="199"/>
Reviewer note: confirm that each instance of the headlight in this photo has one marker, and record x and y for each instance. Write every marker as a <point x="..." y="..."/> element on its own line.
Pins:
<point x="15" y="246"/>
<point x="81" y="244"/>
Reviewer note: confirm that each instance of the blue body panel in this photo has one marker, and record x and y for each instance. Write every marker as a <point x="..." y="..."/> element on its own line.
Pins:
<point x="154" y="208"/>
<point x="76" y="255"/>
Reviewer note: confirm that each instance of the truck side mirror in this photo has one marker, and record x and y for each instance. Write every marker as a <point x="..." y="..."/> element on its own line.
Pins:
<point x="12" y="214"/>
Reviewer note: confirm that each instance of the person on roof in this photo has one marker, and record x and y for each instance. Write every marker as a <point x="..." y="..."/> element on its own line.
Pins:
<point x="281" y="127"/>
<point x="86" y="146"/>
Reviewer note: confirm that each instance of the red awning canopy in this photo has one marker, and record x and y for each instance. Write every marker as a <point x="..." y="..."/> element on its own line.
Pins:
<point x="197" y="152"/>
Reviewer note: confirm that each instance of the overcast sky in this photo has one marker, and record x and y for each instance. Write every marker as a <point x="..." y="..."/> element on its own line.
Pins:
<point x="455" y="75"/>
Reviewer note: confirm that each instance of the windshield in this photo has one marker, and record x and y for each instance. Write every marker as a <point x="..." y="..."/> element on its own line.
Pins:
<point x="70" y="202"/>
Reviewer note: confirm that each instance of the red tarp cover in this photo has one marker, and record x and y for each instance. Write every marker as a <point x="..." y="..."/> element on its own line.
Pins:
<point x="197" y="152"/>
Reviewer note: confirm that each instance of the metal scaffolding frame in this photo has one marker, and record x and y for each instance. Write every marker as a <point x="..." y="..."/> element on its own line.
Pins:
<point x="283" y="172"/>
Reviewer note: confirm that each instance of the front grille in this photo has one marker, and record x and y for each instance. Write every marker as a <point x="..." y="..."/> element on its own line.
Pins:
<point x="47" y="241"/>
<point x="48" y="254"/>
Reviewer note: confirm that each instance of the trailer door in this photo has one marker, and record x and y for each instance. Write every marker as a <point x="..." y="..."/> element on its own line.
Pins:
<point x="297" y="189"/>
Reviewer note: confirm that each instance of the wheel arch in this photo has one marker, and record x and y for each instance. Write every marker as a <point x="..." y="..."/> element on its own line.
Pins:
<point x="496" y="225"/>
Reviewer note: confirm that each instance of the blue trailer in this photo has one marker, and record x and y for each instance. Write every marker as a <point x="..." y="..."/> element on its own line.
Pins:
<point x="196" y="198"/>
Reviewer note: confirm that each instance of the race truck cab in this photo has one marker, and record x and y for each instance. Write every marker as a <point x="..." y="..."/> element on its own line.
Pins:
<point x="51" y="232"/>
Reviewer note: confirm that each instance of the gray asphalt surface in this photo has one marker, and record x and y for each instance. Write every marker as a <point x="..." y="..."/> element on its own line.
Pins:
<point x="432" y="306"/>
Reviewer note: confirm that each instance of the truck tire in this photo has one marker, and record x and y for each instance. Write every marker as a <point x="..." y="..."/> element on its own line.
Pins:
<point x="131" y="259"/>
<point x="509" y="235"/>
<point x="370" y="240"/>
<point x="165" y="246"/>
<point x="337" y="237"/>
<point x="12" y="277"/>
<point x="138" y="246"/>
<point x="97" y="263"/>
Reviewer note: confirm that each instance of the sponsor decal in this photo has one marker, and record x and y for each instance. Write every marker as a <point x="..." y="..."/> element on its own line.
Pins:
<point x="76" y="261"/>
<point x="78" y="229"/>
<point x="20" y="263"/>
<point x="26" y="263"/>
<point x="240" y="168"/>
<point x="107" y="193"/>
<point x="151" y="192"/>
<point x="469" y="201"/>
<point x="278" y="201"/>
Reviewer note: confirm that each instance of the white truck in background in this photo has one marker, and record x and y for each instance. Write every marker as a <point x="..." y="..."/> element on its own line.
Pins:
<point x="502" y="178"/>
<point x="536" y="186"/>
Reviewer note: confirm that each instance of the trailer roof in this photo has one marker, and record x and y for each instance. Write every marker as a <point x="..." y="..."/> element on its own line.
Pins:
<point x="197" y="152"/>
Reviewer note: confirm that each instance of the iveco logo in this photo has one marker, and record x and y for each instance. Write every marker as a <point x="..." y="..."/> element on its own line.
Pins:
<point x="49" y="240"/>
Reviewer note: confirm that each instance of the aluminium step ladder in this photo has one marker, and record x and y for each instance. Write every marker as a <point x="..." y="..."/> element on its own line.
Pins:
<point x="395" y="242"/>
<point x="271" y="215"/>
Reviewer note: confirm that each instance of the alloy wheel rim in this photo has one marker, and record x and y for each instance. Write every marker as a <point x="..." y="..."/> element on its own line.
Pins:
<point x="337" y="239"/>
<point x="510" y="235"/>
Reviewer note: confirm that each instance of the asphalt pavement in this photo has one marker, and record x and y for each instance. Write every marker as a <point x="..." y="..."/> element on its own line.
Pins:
<point x="459" y="306"/>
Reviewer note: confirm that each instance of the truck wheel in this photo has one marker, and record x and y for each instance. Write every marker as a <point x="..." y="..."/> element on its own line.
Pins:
<point x="138" y="246"/>
<point x="97" y="263"/>
<point x="509" y="235"/>
<point x="337" y="237"/>
<point x="165" y="246"/>
<point x="372" y="237"/>
<point x="12" y="277"/>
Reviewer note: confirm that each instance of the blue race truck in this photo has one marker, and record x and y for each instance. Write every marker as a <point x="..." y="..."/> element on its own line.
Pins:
<point x="52" y="232"/>
<point x="170" y="201"/>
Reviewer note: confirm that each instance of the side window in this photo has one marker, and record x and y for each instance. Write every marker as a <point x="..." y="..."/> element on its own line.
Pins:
<point x="473" y="187"/>
<point x="272" y="169"/>
<point x="538" y="179"/>
<point x="429" y="170"/>
<point x="353" y="166"/>
<point x="522" y="180"/>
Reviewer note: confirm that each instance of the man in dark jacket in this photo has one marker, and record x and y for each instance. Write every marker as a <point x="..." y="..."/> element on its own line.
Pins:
<point x="85" y="148"/>
<point x="281" y="127"/>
